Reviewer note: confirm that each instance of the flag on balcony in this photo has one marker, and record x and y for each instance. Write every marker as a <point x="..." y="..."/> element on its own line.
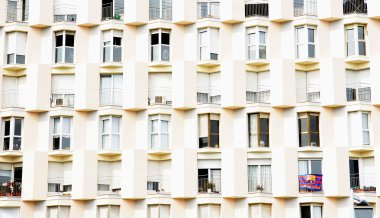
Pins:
<point x="312" y="183"/>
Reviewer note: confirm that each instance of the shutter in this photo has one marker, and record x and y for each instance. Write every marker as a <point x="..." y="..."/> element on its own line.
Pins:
<point x="214" y="40"/>
<point x="266" y="211"/>
<point x="313" y="82"/>
<point x="118" y="81"/>
<point x="53" y="212"/>
<point x="251" y="81"/>
<point x="203" y="125"/>
<point x="203" y="211"/>
<point x="55" y="170"/>
<point x="351" y="77"/>
<point x="118" y="33"/>
<point x="63" y="7"/>
<point x="254" y="211"/>
<point x="164" y="211"/>
<point x="301" y="86"/>
<point x="215" y="80"/>
<point x="21" y="83"/>
<point x="63" y="84"/>
<point x="103" y="168"/>
<point x="9" y="83"/>
<point x="209" y="164"/>
<point x="103" y="211"/>
<point x="159" y="80"/>
<point x="203" y="82"/>
<point x="114" y="211"/>
<point x="214" y="211"/>
<point x="317" y="211"/>
<point x="11" y="42"/>
<point x="64" y="212"/>
<point x="153" y="211"/>
<point x="67" y="173"/>
<point x="263" y="79"/>
<point x="107" y="36"/>
<point x="364" y="76"/>
<point x="369" y="172"/>
<point x="21" y="43"/>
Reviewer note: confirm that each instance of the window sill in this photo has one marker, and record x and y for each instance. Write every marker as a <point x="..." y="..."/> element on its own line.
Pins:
<point x="209" y="150"/>
<point x="60" y="153"/>
<point x="257" y="62"/>
<point x="159" y="151"/>
<point x="63" y="66"/>
<point x="160" y="64"/>
<point x="357" y="59"/>
<point x="14" y="67"/>
<point x="111" y="65"/>
<point x="259" y="150"/>
<point x="363" y="148"/>
<point x="309" y="149"/>
<point x="306" y="61"/>
<point x="109" y="152"/>
<point x="208" y="63"/>
<point x="10" y="153"/>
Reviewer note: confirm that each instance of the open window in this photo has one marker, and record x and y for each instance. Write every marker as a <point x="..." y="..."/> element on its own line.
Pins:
<point x="16" y="47"/>
<point x="208" y="127"/>
<point x="61" y="133"/>
<point x="258" y="126"/>
<point x="356" y="40"/>
<point x="311" y="211"/>
<point x="112" y="48"/>
<point x="12" y="133"/>
<point x="305" y="41"/>
<point x="64" y="47"/>
<point x="208" y="44"/>
<point x="59" y="178"/>
<point x="160" y="45"/>
<point x="308" y="127"/>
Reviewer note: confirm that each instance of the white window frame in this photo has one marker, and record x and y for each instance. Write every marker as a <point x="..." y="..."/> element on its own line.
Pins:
<point x="258" y="177"/>
<point x="58" y="207"/>
<point x="309" y="164"/>
<point x="159" y="32"/>
<point x="360" y="130"/>
<point x="61" y="134"/>
<point x="367" y="129"/>
<point x="206" y="46"/>
<point x="209" y="11"/>
<point x="261" y="208"/>
<point x="312" y="205"/>
<point x="307" y="43"/>
<point x="108" y="210"/>
<point x="112" y="46"/>
<point x="257" y="30"/>
<point x="15" y="54"/>
<point x="11" y="132"/>
<point x="113" y="90"/>
<point x="109" y="132"/>
<point x="159" y="118"/>
<point x="63" y="33"/>
<point x="356" y="40"/>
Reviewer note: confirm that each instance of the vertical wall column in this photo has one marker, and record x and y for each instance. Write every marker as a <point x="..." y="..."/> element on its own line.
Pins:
<point x="34" y="175"/>
<point x="135" y="80"/>
<point x="37" y="97"/>
<point x="285" y="164"/>
<point x="41" y="13"/>
<point x="232" y="11"/>
<point x="283" y="83"/>
<point x="374" y="54"/>
<point x="3" y="16"/>
<point x="184" y="167"/>
<point x="234" y="172"/>
<point x="373" y="9"/>
<point x="333" y="87"/>
<point x="134" y="178"/>
<point x="87" y="86"/>
<point x="84" y="174"/>
<point x="136" y="12"/>
<point x="330" y="10"/>
<point x="280" y="10"/>
<point x="89" y="12"/>
<point x="185" y="11"/>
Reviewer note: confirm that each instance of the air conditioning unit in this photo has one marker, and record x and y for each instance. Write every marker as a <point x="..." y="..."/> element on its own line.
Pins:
<point x="159" y="100"/>
<point x="313" y="144"/>
<point x="58" y="101"/>
<point x="262" y="144"/>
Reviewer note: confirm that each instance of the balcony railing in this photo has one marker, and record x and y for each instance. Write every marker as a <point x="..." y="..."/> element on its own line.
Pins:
<point x="358" y="92"/>
<point x="61" y="98"/>
<point x="363" y="182"/>
<point x="59" y="186"/>
<point x="17" y="12"/>
<point x="305" y="8"/>
<point x="262" y="95"/>
<point x="111" y="97"/>
<point x="208" y="95"/>
<point x="65" y="13"/>
<point x="112" y="11"/>
<point x="355" y="6"/>
<point x="158" y="184"/>
<point x="208" y="9"/>
<point x="10" y="189"/>
<point x="312" y="94"/>
<point x="310" y="183"/>
<point x="261" y="184"/>
<point x="109" y="185"/>
<point x="259" y="9"/>
<point x="13" y="99"/>
<point x="210" y="186"/>
<point x="160" y="96"/>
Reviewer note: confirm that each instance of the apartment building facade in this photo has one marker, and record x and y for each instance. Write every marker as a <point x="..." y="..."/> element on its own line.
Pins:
<point x="190" y="108"/>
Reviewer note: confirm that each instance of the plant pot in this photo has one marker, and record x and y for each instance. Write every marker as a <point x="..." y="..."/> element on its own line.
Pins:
<point x="209" y="190"/>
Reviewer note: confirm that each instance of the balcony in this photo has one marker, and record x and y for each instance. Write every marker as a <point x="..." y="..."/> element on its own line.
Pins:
<point x="111" y="97"/>
<point x="65" y="13"/>
<point x="358" y="92"/>
<point x="160" y="96"/>
<point x="61" y="98"/>
<point x="109" y="185"/>
<point x="13" y="99"/>
<point x="209" y="186"/>
<point x="305" y="8"/>
<point x="10" y="189"/>
<point x="354" y="6"/>
<point x="111" y="11"/>
<point x="17" y="12"/>
<point x="261" y="184"/>
<point x="208" y="95"/>
<point x="59" y="186"/>
<point x="262" y="95"/>
<point x="158" y="185"/>
<point x="363" y="183"/>
<point x="310" y="183"/>
<point x="208" y="10"/>
<point x="257" y="10"/>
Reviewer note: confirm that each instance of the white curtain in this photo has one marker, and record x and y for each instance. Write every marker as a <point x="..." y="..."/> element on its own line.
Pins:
<point x="252" y="175"/>
<point x="266" y="175"/>
<point x="115" y="132"/>
<point x="216" y="178"/>
<point x="303" y="167"/>
<point x="253" y="131"/>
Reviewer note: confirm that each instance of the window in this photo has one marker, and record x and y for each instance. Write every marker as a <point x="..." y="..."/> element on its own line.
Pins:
<point x="11" y="179"/>
<point x="209" y="211"/>
<point x="308" y="86"/>
<point x="62" y="90"/>
<point x="256" y="8"/>
<point x="64" y="47"/>
<point x="363" y="212"/>
<point x="358" y="128"/>
<point x="308" y="127"/>
<point x="58" y="212"/>
<point x="112" y="46"/>
<point x="208" y="88"/>
<point x="305" y="8"/>
<point x="256" y="43"/>
<point x="159" y="211"/>
<point x="17" y="10"/>
<point x="208" y="8"/>
<point x="209" y="180"/>
<point x="112" y="9"/>
<point x="259" y="176"/>
<point x="16" y="47"/>
<point x="111" y="90"/>
<point x="160" y="9"/>
<point x="59" y="177"/>
<point x="12" y="133"/>
<point x="208" y="125"/>
<point x="110" y="132"/>
<point x="258" y="130"/>
<point x="160" y="45"/>
<point x="362" y="174"/>
<point x="208" y="44"/>
<point x="310" y="167"/>
<point x="65" y="11"/>
<point x="13" y="92"/>
<point x="355" y="36"/>
<point x="260" y="211"/>
<point x="108" y="211"/>
<point x="160" y="88"/>
<point x="61" y="133"/>
<point x="159" y="131"/>
<point x="311" y="211"/>
<point x="305" y="37"/>
<point x="109" y="181"/>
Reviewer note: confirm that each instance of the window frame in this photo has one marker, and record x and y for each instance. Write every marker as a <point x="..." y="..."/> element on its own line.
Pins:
<point x="109" y="132"/>
<point x="112" y="90"/>
<point x="257" y="31"/>
<point x="261" y="208"/>
<point x="58" y="207"/>
<point x="258" y="129"/>
<point x="311" y="206"/>
<point x="13" y="61"/>
<point x="208" y="4"/>
<point x="112" y="46"/>
<point x="64" y="33"/>
<point x="12" y="135"/>
<point x="159" y="31"/>
<point x="309" y="132"/>
<point x="209" y="134"/>
<point x="356" y="40"/>
<point x="159" y="118"/>
<point x="259" y="179"/>
<point x="108" y="206"/>
<point x="309" y="168"/>
<point x="61" y="134"/>
<point x="307" y="43"/>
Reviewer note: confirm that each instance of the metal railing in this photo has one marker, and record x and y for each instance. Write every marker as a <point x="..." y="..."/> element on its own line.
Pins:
<point x="309" y="94"/>
<point x="305" y="8"/>
<point x="155" y="12"/>
<point x="59" y="186"/>
<point x="13" y="98"/>
<point x="17" y="12"/>
<point x="112" y="11"/>
<point x="111" y="97"/>
<point x="65" y="13"/>
<point x="210" y="186"/>
<point x="358" y="92"/>
<point x="363" y="182"/>
<point x="260" y="9"/>
<point x="355" y="6"/>
<point x="262" y="184"/>
<point x="10" y="189"/>
<point x="160" y="96"/>
<point x="62" y="98"/>
<point x="108" y="185"/>
<point x="262" y="95"/>
<point x="310" y="183"/>
<point x="208" y="9"/>
<point x="208" y="95"/>
<point x="159" y="184"/>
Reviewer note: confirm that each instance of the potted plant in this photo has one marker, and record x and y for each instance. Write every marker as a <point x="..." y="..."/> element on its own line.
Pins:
<point x="259" y="188"/>
<point x="210" y="187"/>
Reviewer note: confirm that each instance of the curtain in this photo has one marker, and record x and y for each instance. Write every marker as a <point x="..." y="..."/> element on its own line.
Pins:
<point x="266" y="177"/>
<point x="303" y="167"/>
<point x="215" y="178"/>
<point x="253" y="130"/>
<point x="317" y="212"/>
<point x="252" y="177"/>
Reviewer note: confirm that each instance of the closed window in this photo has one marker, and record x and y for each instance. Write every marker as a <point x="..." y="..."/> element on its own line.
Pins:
<point x="13" y="92"/>
<point x="359" y="128"/>
<point x="16" y="47"/>
<point x="311" y="211"/>
<point x="160" y="45"/>
<point x="260" y="211"/>
<point x="111" y="90"/>
<point x="308" y="167"/>
<point x="308" y="127"/>
<point x="305" y="37"/>
<point x="61" y="133"/>
<point x="363" y="212"/>
<point x="12" y="133"/>
<point x="62" y="90"/>
<point x="159" y="131"/>
<point x="260" y="177"/>
<point x="112" y="46"/>
<point x="108" y="211"/>
<point x="208" y="8"/>
<point x="208" y="127"/>
<point x="110" y="132"/>
<point x="208" y="39"/>
<point x="209" y="211"/>
<point x="356" y="40"/>
<point x="160" y="9"/>
<point x="64" y="47"/>
<point x="58" y="212"/>
<point x="258" y="130"/>
<point x="159" y="211"/>
<point x="257" y="43"/>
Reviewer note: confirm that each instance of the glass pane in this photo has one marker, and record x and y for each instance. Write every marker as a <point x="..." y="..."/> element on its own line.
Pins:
<point x="253" y="123"/>
<point x="350" y="48"/>
<point x="117" y="54"/>
<point x="363" y="212"/>
<point x="117" y="41"/>
<point x="366" y="140"/>
<point x="362" y="50"/>
<point x="262" y="37"/>
<point x="69" y="40"/>
<point x="16" y="143"/>
<point x="317" y="212"/>
<point x="252" y="38"/>
<point x="58" y="40"/>
<point x="310" y="33"/>
<point x="56" y="142"/>
<point x="253" y="140"/>
<point x="301" y="51"/>
<point x="300" y="35"/>
<point x="311" y="50"/>
<point x="106" y="54"/>
<point x="203" y="39"/>
<point x="6" y="143"/>
<point x="305" y="212"/>
<point x="252" y="52"/>
<point x="314" y="138"/>
<point x="154" y="39"/>
<point x="115" y="124"/>
<point x="165" y="53"/>
<point x="314" y="123"/>
<point x="214" y="126"/>
<point x="165" y="38"/>
<point x="350" y="35"/>
<point x="66" y="142"/>
<point x="303" y="167"/>
<point x="154" y="141"/>
<point x="7" y="127"/>
<point x="264" y="140"/>
<point x="262" y="52"/>
<point x="264" y="125"/>
<point x="105" y="126"/>
<point x="214" y="141"/>
<point x="56" y="125"/>
<point x="154" y="126"/>
<point x="316" y="167"/>
<point x="69" y="55"/>
<point x="360" y="32"/>
<point x="59" y="55"/>
<point x="66" y="126"/>
<point x="164" y="126"/>
<point x="302" y="123"/>
<point x="115" y="141"/>
<point x="304" y="139"/>
<point x="164" y="140"/>
<point x="106" y="141"/>
<point x="365" y="121"/>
